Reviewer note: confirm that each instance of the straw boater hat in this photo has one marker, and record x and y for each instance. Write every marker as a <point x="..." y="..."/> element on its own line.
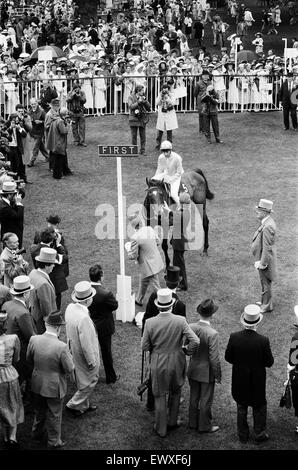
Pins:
<point x="251" y="316"/>
<point x="83" y="291"/>
<point x="8" y="187"/>
<point x="47" y="255"/>
<point x="55" y="319"/>
<point x="265" y="205"/>
<point x="164" y="298"/>
<point x="21" y="284"/>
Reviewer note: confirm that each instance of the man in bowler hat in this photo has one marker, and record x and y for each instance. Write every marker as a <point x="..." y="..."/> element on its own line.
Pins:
<point x="204" y="370"/>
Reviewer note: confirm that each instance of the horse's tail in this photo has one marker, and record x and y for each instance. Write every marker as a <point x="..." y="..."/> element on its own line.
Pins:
<point x="209" y="194"/>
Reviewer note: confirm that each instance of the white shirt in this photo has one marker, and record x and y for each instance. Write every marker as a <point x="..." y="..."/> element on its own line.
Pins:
<point x="205" y="321"/>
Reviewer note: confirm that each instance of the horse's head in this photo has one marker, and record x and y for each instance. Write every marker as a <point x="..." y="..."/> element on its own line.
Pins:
<point x="155" y="198"/>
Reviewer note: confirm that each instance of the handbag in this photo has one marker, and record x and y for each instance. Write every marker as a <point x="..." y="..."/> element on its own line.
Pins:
<point x="286" y="399"/>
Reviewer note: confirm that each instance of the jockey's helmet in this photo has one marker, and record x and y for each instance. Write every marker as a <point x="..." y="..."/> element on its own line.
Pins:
<point x="166" y="145"/>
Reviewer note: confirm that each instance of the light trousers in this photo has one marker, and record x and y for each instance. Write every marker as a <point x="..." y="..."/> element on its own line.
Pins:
<point x="166" y="411"/>
<point x="80" y="400"/>
<point x="200" y="403"/>
<point x="149" y="283"/>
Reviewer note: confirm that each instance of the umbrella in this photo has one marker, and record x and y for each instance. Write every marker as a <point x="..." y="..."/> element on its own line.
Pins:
<point x="56" y="51"/>
<point x="246" y="55"/>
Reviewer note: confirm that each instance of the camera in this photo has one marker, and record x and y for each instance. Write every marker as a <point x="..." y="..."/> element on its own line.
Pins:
<point x="143" y="387"/>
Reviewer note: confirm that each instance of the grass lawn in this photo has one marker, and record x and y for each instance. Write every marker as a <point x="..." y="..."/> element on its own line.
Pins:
<point x="258" y="159"/>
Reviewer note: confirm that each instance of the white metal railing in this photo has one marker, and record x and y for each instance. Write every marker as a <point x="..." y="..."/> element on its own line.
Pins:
<point x="108" y="95"/>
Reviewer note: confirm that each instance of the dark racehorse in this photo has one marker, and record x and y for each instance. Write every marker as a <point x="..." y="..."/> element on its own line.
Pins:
<point x="158" y="193"/>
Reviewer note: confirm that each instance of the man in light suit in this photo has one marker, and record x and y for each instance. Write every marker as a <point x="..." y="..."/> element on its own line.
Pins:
<point x="264" y="250"/>
<point x="51" y="362"/>
<point x="204" y="369"/>
<point x="144" y="248"/>
<point x="20" y="322"/>
<point x="170" y="169"/>
<point x="250" y="354"/>
<point x="101" y="313"/>
<point x="163" y="337"/>
<point x="289" y="107"/>
<point x="83" y="345"/>
<point x="43" y="297"/>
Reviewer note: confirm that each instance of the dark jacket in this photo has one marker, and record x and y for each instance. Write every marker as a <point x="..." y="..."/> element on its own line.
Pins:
<point x="46" y="96"/>
<point x="12" y="220"/>
<point x="57" y="276"/>
<point x="57" y="136"/>
<point x="137" y="111"/>
<point x="180" y="222"/>
<point x="200" y="88"/>
<point x="250" y="354"/>
<point x="210" y="103"/>
<point x="19" y="137"/>
<point x="38" y="115"/>
<point x="285" y="95"/>
<point x="76" y="103"/>
<point x="101" y="311"/>
<point x="152" y="310"/>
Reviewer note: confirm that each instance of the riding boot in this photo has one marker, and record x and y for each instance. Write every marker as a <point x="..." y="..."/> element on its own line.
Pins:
<point x="158" y="139"/>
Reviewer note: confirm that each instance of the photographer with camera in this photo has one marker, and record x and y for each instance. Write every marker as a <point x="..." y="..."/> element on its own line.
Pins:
<point x="16" y="147"/>
<point x="37" y="115"/>
<point x="210" y="101"/>
<point x="11" y="210"/>
<point x="76" y="99"/>
<point x="139" y="107"/>
<point x="166" y="114"/>
<point x="57" y="143"/>
<point x="14" y="263"/>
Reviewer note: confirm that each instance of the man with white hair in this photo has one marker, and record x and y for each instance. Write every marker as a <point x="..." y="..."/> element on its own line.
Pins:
<point x="83" y="344"/>
<point x="250" y="354"/>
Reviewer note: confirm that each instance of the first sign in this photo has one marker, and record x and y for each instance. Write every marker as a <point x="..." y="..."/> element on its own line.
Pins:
<point x="118" y="151"/>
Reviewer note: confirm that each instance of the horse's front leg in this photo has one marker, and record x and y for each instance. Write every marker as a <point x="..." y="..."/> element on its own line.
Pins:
<point x="164" y="246"/>
<point x="206" y="230"/>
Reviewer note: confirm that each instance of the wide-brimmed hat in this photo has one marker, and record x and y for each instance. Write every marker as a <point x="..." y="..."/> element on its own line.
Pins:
<point x="172" y="277"/>
<point x="251" y="315"/>
<point x="207" y="308"/>
<point x="83" y="291"/>
<point x="164" y="298"/>
<point x="21" y="284"/>
<point x="8" y="187"/>
<point x="265" y="205"/>
<point x="47" y="255"/>
<point x="55" y="319"/>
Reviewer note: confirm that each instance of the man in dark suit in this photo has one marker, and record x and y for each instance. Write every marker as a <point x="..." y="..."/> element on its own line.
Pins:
<point x="199" y="90"/>
<point x="11" y="211"/>
<point x="49" y="238"/>
<point x="172" y="280"/>
<point x="264" y="251"/>
<point x="101" y="313"/>
<point x="289" y="107"/>
<point x="181" y="218"/>
<point x="250" y="354"/>
<point x="204" y="369"/>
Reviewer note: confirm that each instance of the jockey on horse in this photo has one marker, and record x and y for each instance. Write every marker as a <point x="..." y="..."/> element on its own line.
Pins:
<point x="169" y="170"/>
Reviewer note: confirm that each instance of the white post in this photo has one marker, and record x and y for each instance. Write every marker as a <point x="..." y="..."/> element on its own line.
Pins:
<point x="126" y="301"/>
<point x="45" y="69"/>
<point x="120" y="216"/>
<point x="285" y="54"/>
<point x="236" y="54"/>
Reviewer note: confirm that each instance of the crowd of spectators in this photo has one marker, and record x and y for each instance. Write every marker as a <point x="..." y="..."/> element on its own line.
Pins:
<point x="140" y="46"/>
